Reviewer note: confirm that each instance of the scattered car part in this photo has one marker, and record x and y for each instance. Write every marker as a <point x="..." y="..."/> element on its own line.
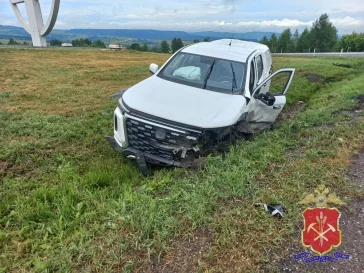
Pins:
<point x="142" y="164"/>
<point x="119" y="94"/>
<point x="273" y="210"/>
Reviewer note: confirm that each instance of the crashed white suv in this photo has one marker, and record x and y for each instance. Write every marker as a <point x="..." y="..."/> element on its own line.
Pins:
<point x="205" y="94"/>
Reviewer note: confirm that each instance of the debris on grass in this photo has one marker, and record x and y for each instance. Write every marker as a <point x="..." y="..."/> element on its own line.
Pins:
<point x="273" y="210"/>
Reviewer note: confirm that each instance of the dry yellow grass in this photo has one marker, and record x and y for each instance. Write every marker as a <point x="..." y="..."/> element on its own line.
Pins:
<point x="68" y="82"/>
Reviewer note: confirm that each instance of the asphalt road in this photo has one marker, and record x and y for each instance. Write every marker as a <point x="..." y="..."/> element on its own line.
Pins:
<point x="328" y="54"/>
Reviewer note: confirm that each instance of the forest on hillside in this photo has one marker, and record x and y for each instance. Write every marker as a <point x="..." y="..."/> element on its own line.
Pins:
<point x="321" y="37"/>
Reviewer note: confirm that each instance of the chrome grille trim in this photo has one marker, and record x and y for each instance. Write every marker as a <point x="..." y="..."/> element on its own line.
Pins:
<point x="155" y="124"/>
<point x="141" y="135"/>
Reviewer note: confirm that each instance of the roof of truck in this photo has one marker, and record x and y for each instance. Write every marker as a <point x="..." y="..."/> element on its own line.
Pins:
<point x="237" y="51"/>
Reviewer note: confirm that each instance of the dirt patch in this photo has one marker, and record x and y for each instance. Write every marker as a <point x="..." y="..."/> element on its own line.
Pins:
<point x="198" y="164"/>
<point x="184" y="256"/>
<point x="342" y="65"/>
<point x="291" y="111"/>
<point x="356" y="111"/>
<point x="360" y="98"/>
<point x="314" y="78"/>
<point x="295" y="154"/>
<point x="358" y="108"/>
<point x="356" y="172"/>
<point x="325" y="126"/>
<point x="4" y="165"/>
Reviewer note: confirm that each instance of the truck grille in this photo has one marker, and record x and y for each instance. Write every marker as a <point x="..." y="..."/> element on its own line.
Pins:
<point x="165" y="143"/>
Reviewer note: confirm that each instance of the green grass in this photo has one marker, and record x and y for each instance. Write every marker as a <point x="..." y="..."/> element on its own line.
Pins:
<point x="70" y="203"/>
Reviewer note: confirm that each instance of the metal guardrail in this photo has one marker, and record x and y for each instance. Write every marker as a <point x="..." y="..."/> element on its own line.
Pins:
<point x="324" y="54"/>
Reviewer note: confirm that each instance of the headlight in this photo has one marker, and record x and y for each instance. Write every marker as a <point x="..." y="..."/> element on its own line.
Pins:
<point x="122" y="106"/>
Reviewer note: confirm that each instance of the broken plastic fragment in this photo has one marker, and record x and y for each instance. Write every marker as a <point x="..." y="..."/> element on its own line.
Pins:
<point x="274" y="210"/>
<point x="119" y="94"/>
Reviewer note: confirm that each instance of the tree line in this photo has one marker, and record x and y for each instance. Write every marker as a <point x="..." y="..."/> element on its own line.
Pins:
<point x="321" y="37"/>
<point x="80" y="43"/>
<point x="352" y="42"/>
<point x="14" y="42"/>
<point x="164" y="46"/>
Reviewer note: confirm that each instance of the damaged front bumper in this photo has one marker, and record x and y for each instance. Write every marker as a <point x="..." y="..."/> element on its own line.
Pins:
<point x="183" y="157"/>
<point x="143" y="157"/>
<point x="154" y="140"/>
<point x="163" y="142"/>
<point x="133" y="153"/>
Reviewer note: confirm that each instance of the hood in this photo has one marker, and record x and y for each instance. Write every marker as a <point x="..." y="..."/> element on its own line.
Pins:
<point x="185" y="104"/>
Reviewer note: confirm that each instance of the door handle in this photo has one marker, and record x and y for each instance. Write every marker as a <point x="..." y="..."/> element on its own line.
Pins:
<point x="277" y="107"/>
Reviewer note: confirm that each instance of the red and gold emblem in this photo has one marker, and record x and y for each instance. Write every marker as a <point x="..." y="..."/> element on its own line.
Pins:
<point x="321" y="224"/>
<point x="321" y="229"/>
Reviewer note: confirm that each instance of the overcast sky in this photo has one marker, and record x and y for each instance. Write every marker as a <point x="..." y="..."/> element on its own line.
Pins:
<point x="199" y="15"/>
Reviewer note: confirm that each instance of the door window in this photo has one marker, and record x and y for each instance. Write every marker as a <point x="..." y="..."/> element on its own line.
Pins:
<point x="279" y="82"/>
<point x="252" y="78"/>
<point x="260" y="67"/>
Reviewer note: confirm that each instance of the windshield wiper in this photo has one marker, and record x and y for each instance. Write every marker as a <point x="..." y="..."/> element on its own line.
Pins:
<point x="234" y="79"/>
<point x="208" y="74"/>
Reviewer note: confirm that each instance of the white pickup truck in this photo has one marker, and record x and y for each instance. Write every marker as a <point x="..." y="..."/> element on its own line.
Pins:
<point x="205" y="94"/>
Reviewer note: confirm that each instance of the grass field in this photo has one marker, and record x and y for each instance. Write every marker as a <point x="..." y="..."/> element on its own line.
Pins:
<point x="69" y="203"/>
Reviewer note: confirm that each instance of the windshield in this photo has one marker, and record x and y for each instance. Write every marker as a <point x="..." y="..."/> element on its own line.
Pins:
<point x="205" y="72"/>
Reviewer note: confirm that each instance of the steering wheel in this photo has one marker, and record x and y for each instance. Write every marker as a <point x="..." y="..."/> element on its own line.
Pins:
<point x="226" y="79"/>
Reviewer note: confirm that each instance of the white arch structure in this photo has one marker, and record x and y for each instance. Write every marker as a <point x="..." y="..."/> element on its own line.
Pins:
<point x="36" y="27"/>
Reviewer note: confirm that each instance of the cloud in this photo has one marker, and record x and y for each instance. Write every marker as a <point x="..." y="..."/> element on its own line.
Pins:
<point x="285" y="23"/>
<point x="347" y="21"/>
<point x="196" y="15"/>
<point x="243" y="26"/>
<point x="348" y="24"/>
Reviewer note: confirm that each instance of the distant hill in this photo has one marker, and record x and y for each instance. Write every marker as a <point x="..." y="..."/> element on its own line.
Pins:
<point x="133" y="33"/>
<point x="12" y="31"/>
<point x="107" y="35"/>
<point x="254" y="35"/>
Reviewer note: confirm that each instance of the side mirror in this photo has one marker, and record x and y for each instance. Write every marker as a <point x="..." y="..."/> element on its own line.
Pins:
<point x="153" y="68"/>
<point x="267" y="99"/>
